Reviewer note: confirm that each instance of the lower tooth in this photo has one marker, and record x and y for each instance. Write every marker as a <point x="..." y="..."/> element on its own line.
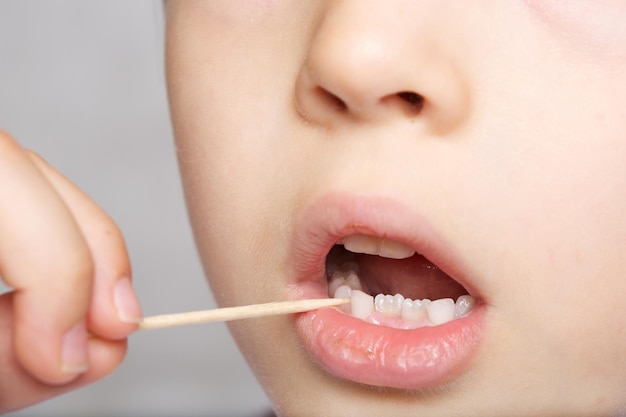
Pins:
<point x="343" y="291"/>
<point x="334" y="284"/>
<point x="463" y="305"/>
<point x="353" y="281"/>
<point x="413" y="310"/>
<point x="398" y="300"/>
<point x="350" y="266"/>
<point x="345" y="283"/>
<point x="361" y="304"/>
<point x="381" y="304"/>
<point x="440" y="311"/>
<point x="437" y="311"/>
<point x="389" y="305"/>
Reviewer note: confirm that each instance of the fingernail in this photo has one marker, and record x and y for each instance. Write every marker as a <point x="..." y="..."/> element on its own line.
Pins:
<point x="126" y="303"/>
<point x="74" y="352"/>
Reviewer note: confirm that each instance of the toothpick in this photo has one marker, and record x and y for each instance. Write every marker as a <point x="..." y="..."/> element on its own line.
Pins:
<point x="238" y="313"/>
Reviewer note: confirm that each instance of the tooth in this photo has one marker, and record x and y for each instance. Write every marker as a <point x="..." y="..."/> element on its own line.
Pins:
<point x="398" y="299"/>
<point x="440" y="311"/>
<point x="378" y="302"/>
<point x="383" y="304"/>
<point x="353" y="281"/>
<point x="362" y="304"/>
<point x="350" y="266"/>
<point x="361" y="244"/>
<point x="394" y="250"/>
<point x="341" y="273"/>
<point x="463" y="305"/>
<point x="373" y="245"/>
<point x="413" y="310"/>
<point x="343" y="291"/>
<point x="334" y="284"/>
<point x="389" y="305"/>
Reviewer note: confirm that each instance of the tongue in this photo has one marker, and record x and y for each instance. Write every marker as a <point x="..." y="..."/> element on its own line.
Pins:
<point x="415" y="277"/>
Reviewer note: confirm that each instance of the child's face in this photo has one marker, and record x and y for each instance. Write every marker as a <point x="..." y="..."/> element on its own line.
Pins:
<point x="488" y="136"/>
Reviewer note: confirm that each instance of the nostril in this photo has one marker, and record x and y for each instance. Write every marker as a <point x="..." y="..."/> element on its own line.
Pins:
<point x="411" y="98"/>
<point x="331" y="99"/>
<point x="414" y="102"/>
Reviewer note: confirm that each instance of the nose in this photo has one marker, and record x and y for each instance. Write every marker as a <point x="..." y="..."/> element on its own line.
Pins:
<point x="378" y="61"/>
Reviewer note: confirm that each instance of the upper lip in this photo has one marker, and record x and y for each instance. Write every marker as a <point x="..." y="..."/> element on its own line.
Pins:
<point x="334" y="216"/>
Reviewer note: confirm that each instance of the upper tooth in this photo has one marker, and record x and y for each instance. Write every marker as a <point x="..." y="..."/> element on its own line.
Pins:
<point x="394" y="250"/>
<point x="373" y="245"/>
<point x="361" y="244"/>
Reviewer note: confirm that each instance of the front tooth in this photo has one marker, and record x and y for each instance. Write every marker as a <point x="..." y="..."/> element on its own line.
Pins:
<point x="394" y="250"/>
<point x="372" y="245"/>
<point x="361" y="244"/>
<point x="463" y="305"/>
<point x="440" y="311"/>
<point x="361" y="304"/>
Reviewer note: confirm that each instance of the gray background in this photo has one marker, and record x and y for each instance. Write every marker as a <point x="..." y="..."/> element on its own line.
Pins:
<point x="81" y="82"/>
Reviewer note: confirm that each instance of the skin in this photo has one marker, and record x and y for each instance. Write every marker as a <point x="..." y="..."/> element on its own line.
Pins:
<point x="68" y="266"/>
<point x="516" y="157"/>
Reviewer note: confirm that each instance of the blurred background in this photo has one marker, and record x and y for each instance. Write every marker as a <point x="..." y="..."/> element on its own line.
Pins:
<point x="82" y="83"/>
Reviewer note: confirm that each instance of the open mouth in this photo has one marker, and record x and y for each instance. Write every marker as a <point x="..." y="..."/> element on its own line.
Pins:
<point x="414" y="319"/>
<point x="389" y="284"/>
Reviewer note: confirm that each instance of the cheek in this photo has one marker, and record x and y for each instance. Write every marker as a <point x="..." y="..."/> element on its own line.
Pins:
<point x="591" y="28"/>
<point x="231" y="76"/>
<point x="227" y="98"/>
<point x="549" y="185"/>
<point x="570" y="243"/>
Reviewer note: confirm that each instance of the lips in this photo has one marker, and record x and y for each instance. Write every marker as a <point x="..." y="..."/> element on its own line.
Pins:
<point x="360" y="351"/>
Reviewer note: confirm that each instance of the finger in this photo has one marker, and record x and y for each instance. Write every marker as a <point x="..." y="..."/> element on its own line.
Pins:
<point x="114" y="311"/>
<point x="45" y="258"/>
<point x="19" y="389"/>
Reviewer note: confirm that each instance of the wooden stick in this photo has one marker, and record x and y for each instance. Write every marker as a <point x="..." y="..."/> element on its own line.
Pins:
<point x="238" y="313"/>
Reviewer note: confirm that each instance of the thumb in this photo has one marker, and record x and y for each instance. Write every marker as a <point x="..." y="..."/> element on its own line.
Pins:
<point x="18" y="388"/>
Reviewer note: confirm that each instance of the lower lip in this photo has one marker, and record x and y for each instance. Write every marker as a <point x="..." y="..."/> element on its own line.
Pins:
<point x="382" y="356"/>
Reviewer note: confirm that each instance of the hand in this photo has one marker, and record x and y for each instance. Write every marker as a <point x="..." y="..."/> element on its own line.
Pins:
<point x="71" y="308"/>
